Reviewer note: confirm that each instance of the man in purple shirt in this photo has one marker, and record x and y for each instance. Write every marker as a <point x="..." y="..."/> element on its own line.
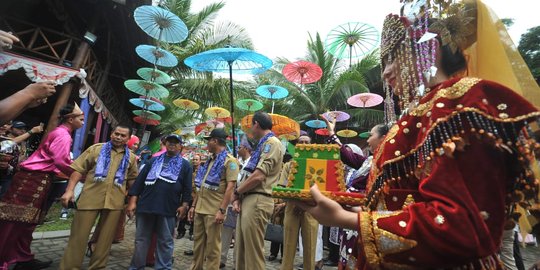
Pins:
<point x="23" y="207"/>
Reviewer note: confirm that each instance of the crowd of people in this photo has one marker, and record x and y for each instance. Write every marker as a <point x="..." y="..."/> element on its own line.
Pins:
<point x="442" y="178"/>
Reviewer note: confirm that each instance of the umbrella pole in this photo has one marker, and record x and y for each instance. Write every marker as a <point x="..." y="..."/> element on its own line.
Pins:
<point x="232" y="109"/>
<point x="350" y="56"/>
<point x="273" y="106"/>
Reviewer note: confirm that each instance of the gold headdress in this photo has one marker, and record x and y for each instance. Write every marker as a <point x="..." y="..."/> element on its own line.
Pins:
<point x="76" y="112"/>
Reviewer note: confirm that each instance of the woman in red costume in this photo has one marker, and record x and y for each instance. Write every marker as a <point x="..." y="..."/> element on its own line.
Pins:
<point x="443" y="178"/>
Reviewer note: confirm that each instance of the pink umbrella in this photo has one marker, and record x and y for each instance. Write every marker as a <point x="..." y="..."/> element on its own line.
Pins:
<point x="302" y="72"/>
<point x="215" y="124"/>
<point x="338" y="115"/>
<point x="365" y="100"/>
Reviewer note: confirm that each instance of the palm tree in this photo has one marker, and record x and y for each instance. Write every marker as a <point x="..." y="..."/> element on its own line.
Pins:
<point x="337" y="83"/>
<point x="204" y="88"/>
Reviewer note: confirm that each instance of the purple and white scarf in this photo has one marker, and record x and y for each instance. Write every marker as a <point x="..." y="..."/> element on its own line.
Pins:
<point x="104" y="162"/>
<point x="214" y="176"/>
<point x="168" y="174"/>
<point x="250" y="167"/>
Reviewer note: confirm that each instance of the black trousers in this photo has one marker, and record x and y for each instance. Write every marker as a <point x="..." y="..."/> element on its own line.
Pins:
<point x="517" y="253"/>
<point x="275" y="248"/>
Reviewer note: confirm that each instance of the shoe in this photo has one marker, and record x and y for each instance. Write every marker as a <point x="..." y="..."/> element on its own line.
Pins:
<point x="300" y="267"/>
<point x="221" y="265"/>
<point x="90" y="250"/>
<point x="330" y="263"/>
<point x="32" y="265"/>
<point x="150" y="264"/>
<point x="64" y="216"/>
<point x="272" y="258"/>
<point x="188" y="252"/>
<point x="181" y="235"/>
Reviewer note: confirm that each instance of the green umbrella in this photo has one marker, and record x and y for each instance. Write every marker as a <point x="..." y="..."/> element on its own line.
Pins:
<point x="147" y="114"/>
<point x="364" y="135"/>
<point x="154" y="75"/>
<point x="250" y="105"/>
<point x="146" y="88"/>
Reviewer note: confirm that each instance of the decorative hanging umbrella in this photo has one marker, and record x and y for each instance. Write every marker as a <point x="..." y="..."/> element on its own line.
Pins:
<point x="227" y="120"/>
<point x="145" y="121"/>
<point x="200" y="127"/>
<point x="365" y="100"/>
<point x="280" y="124"/>
<point x="316" y="124"/>
<point x="217" y="112"/>
<point x="146" y="88"/>
<point x="272" y="92"/>
<point x="250" y="105"/>
<point x="147" y="114"/>
<point x="186" y="104"/>
<point x="215" y="124"/>
<point x="302" y="72"/>
<point x="352" y="40"/>
<point x="156" y="56"/>
<point x="288" y="137"/>
<point x="149" y="104"/>
<point x="364" y="135"/>
<point x="229" y="60"/>
<point x="160" y="24"/>
<point x="154" y="75"/>
<point x="322" y="132"/>
<point x="338" y="115"/>
<point x="347" y="133"/>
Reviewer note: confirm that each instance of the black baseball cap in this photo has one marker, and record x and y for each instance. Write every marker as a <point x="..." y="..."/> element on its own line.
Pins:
<point x="173" y="137"/>
<point x="217" y="133"/>
<point x="18" y="124"/>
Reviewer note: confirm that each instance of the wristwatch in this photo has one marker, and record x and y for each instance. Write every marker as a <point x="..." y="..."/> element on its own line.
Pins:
<point x="222" y="210"/>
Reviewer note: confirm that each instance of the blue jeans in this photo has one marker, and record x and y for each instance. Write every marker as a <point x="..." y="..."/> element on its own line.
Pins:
<point x="163" y="227"/>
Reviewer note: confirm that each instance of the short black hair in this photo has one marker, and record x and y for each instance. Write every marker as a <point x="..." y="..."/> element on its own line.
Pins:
<point x="382" y="129"/>
<point x="67" y="109"/>
<point x="126" y="127"/>
<point x="264" y="120"/>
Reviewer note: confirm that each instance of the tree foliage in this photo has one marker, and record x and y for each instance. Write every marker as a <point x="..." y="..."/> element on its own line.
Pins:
<point x="529" y="47"/>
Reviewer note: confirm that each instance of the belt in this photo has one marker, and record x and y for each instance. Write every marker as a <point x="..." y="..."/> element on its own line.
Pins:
<point x="257" y="193"/>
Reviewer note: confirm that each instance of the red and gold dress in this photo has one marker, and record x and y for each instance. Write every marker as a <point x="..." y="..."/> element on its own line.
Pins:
<point x="439" y="187"/>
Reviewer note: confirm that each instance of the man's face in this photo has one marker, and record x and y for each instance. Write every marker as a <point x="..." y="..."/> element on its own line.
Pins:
<point x="17" y="131"/>
<point x="256" y="130"/>
<point x="77" y="122"/>
<point x="120" y="136"/>
<point x="4" y="128"/>
<point x="174" y="147"/>
<point x="212" y="145"/>
<point x="304" y="140"/>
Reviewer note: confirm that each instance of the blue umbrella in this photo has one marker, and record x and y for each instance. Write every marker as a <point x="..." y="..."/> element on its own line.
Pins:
<point x="272" y="92"/>
<point x="156" y="56"/>
<point x="147" y="103"/>
<point x="160" y="24"/>
<point x="316" y="124"/>
<point x="226" y="60"/>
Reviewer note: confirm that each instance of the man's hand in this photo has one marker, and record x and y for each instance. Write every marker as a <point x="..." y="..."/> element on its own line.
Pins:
<point x="68" y="196"/>
<point x="7" y="39"/>
<point x="219" y="217"/>
<point x="191" y="214"/>
<point x="237" y="206"/>
<point x="181" y="211"/>
<point x="40" y="91"/>
<point x="130" y="210"/>
<point x="37" y="129"/>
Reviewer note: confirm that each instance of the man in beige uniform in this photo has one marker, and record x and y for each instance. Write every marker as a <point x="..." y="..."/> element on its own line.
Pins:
<point x="110" y="168"/>
<point x="296" y="219"/>
<point x="215" y="183"/>
<point x="253" y="197"/>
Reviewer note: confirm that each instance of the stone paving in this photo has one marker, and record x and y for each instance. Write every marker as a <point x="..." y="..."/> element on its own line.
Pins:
<point x="53" y="248"/>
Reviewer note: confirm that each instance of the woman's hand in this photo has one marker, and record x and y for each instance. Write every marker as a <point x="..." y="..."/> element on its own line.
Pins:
<point x="328" y="212"/>
<point x="331" y="126"/>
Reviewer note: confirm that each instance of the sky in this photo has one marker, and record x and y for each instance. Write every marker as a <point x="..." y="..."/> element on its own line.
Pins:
<point x="279" y="28"/>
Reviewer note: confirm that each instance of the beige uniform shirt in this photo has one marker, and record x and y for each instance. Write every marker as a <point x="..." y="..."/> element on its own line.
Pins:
<point x="209" y="201"/>
<point x="103" y="195"/>
<point x="270" y="163"/>
<point x="284" y="175"/>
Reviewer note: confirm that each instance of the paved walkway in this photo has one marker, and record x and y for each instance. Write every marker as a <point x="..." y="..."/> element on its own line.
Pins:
<point x="53" y="248"/>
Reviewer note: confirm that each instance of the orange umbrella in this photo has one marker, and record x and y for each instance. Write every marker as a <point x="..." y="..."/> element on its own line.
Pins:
<point x="347" y="133"/>
<point x="217" y="112"/>
<point x="186" y="104"/>
<point x="280" y="125"/>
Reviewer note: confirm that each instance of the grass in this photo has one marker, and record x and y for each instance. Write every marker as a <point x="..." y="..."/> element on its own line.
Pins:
<point x="53" y="221"/>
